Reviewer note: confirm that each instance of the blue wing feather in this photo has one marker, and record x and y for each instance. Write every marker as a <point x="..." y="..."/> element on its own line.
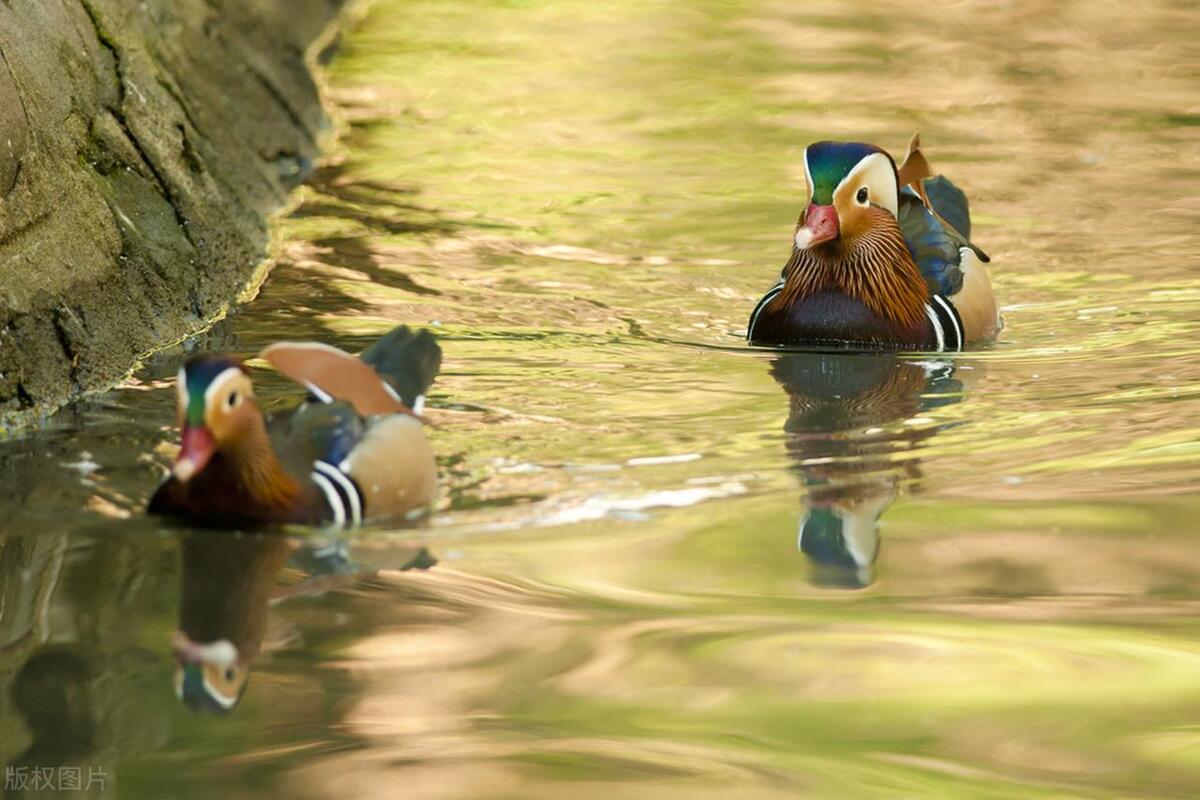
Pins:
<point x="931" y="247"/>
<point x="935" y="237"/>
<point x="316" y="432"/>
<point x="949" y="202"/>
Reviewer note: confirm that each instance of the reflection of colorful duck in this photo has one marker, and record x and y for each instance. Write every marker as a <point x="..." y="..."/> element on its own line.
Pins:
<point x="229" y="584"/>
<point x="844" y="439"/>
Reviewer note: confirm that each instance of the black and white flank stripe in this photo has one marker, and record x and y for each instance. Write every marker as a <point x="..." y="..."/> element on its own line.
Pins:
<point x="758" y="309"/>
<point x="947" y="324"/>
<point x="341" y="493"/>
<point x="340" y="490"/>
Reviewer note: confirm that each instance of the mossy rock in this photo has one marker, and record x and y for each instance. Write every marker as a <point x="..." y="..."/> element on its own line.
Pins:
<point x="143" y="148"/>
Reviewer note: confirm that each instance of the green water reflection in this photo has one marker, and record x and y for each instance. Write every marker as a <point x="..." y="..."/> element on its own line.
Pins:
<point x="666" y="563"/>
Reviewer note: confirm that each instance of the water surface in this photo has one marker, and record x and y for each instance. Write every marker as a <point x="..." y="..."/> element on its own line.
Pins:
<point x="667" y="563"/>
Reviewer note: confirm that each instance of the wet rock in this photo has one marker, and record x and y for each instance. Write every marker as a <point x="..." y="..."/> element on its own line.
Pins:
<point x="142" y="148"/>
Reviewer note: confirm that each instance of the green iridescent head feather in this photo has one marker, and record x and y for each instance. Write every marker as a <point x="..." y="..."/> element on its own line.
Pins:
<point x="830" y="162"/>
<point x="200" y="372"/>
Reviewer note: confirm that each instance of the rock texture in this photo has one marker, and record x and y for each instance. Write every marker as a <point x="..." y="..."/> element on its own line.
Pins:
<point x="143" y="146"/>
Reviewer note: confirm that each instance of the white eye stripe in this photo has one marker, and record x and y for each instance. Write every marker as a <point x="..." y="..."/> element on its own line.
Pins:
<point x="221" y="652"/>
<point x="879" y="176"/>
<point x="808" y="181"/>
<point x="223" y="377"/>
<point x="216" y="694"/>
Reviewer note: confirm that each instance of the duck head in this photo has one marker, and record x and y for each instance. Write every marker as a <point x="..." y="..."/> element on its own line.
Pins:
<point x="216" y="410"/>
<point x="209" y="676"/>
<point x="839" y="531"/>
<point x="850" y="189"/>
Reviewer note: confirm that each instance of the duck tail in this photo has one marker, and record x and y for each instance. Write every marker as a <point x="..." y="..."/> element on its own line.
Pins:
<point x="915" y="168"/>
<point x="938" y="194"/>
<point x="407" y="359"/>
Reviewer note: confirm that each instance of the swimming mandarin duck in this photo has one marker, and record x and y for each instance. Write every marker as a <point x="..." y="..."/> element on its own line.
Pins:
<point x="354" y="450"/>
<point x="881" y="259"/>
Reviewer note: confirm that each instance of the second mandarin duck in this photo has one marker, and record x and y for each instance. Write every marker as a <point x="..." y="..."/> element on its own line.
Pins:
<point x="881" y="259"/>
<point x="356" y="450"/>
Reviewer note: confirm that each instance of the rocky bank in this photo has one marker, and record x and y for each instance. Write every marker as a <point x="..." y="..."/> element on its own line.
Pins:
<point x="143" y="146"/>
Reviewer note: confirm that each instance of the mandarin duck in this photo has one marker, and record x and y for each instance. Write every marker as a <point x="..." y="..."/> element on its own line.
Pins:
<point x="354" y="450"/>
<point x="881" y="259"/>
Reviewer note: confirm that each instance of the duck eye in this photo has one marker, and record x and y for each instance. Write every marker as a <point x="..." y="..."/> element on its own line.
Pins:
<point x="862" y="195"/>
<point x="230" y="674"/>
<point x="233" y="399"/>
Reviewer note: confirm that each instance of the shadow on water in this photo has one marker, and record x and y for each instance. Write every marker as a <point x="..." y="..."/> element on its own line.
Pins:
<point x="854" y="430"/>
<point x="54" y="694"/>
<point x="376" y="208"/>
<point x="73" y="610"/>
<point x="349" y="222"/>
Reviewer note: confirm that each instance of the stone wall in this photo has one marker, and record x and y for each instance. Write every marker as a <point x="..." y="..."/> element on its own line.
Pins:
<point x="143" y="146"/>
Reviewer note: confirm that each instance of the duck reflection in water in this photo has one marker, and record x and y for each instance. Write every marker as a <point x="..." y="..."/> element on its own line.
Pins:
<point x="229" y="585"/>
<point x="849" y="435"/>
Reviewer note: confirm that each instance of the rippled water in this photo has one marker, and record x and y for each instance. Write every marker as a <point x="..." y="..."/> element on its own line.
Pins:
<point x="668" y="563"/>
